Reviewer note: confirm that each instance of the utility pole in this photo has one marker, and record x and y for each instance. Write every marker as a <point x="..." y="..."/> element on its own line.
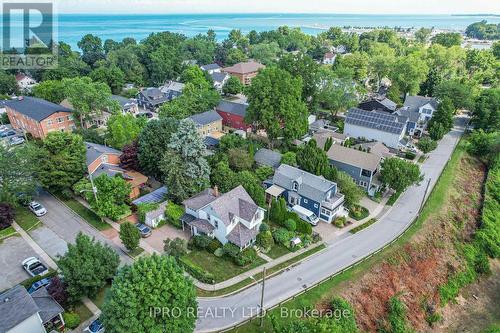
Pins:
<point x="262" y="297"/>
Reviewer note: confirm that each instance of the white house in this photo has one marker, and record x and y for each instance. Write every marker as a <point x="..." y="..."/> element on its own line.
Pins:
<point x="329" y="58"/>
<point x="375" y="125"/>
<point x="211" y="68"/>
<point x="419" y="110"/>
<point x="230" y="217"/>
<point x="25" y="82"/>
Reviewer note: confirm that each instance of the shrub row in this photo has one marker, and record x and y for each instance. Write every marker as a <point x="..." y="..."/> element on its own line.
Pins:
<point x="197" y="272"/>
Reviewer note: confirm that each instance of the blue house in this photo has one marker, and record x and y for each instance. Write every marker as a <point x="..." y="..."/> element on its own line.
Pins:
<point x="312" y="192"/>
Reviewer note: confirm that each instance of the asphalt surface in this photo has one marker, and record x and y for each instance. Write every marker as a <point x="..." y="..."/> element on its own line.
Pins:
<point x="220" y="313"/>
<point x="13" y="251"/>
<point x="66" y="225"/>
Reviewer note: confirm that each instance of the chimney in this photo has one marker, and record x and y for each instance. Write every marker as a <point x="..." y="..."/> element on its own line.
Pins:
<point x="216" y="191"/>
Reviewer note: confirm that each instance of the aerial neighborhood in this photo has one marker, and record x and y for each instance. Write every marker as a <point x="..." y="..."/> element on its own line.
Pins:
<point x="181" y="171"/>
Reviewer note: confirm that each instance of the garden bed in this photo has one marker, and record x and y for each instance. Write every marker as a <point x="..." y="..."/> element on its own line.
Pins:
<point x="394" y="197"/>
<point x="358" y="212"/>
<point x="363" y="226"/>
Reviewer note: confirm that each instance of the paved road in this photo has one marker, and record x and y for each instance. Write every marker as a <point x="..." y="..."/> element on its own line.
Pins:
<point x="224" y="312"/>
<point x="66" y="224"/>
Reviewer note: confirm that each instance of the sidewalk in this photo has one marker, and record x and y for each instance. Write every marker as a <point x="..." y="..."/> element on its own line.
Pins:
<point x="252" y="272"/>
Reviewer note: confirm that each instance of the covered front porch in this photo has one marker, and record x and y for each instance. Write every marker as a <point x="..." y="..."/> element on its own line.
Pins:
<point x="273" y="193"/>
<point x="197" y="226"/>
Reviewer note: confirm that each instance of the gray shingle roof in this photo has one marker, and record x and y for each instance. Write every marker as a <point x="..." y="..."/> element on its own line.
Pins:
<point x="36" y="108"/>
<point x="218" y="77"/>
<point x="110" y="170"/>
<point x="156" y="196"/>
<point x="238" y="109"/>
<point x="415" y="102"/>
<point x="381" y="121"/>
<point x="202" y="225"/>
<point x="205" y="118"/>
<point x="354" y="157"/>
<point x="210" y="67"/>
<point x="200" y="200"/>
<point x="154" y="95"/>
<point x="236" y="202"/>
<point x="411" y="113"/>
<point x="310" y="186"/>
<point x="95" y="150"/>
<point x="241" y="235"/>
<point x="122" y="100"/>
<point x="267" y="157"/>
<point x="16" y="305"/>
<point x="48" y="307"/>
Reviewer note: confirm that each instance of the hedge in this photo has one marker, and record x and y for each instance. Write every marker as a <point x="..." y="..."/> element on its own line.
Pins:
<point x="71" y="320"/>
<point x="174" y="213"/>
<point x="197" y="272"/>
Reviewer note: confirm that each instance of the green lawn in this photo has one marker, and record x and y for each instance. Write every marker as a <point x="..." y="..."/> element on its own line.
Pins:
<point x="276" y="251"/>
<point x="26" y="219"/>
<point x="99" y="298"/>
<point x="328" y="289"/>
<point x="363" y="226"/>
<point x="222" y="268"/>
<point x="7" y="232"/>
<point x="85" y="213"/>
<point x="83" y="312"/>
<point x="258" y="276"/>
<point x="135" y="253"/>
<point x="393" y="198"/>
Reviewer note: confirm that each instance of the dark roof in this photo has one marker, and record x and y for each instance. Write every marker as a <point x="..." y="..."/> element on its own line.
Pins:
<point x="381" y="121"/>
<point x="200" y="200"/>
<point x="241" y="235"/>
<point x="411" y="113"/>
<point x="267" y="157"/>
<point x="95" y="150"/>
<point x="202" y="225"/>
<point x="210" y="141"/>
<point x="154" y="95"/>
<point x="156" y="196"/>
<point x="205" y="118"/>
<point x="187" y="218"/>
<point x="210" y="67"/>
<point x="415" y="102"/>
<point x="310" y="186"/>
<point x="110" y="170"/>
<point x="218" y="76"/>
<point x="48" y="307"/>
<point x="354" y="157"/>
<point x="122" y="100"/>
<point x="36" y="108"/>
<point x="16" y="305"/>
<point x="383" y="104"/>
<point x="235" y="108"/>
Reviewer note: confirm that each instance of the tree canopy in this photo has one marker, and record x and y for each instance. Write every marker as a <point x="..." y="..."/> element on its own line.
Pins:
<point x="399" y="174"/>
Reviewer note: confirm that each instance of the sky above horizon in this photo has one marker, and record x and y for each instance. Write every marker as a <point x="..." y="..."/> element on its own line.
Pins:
<point x="279" y="6"/>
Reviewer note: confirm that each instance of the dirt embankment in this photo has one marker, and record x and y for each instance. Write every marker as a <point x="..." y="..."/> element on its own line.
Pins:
<point x="416" y="271"/>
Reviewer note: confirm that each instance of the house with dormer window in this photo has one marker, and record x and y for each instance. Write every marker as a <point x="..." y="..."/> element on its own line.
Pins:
<point x="419" y="110"/>
<point x="314" y="193"/>
<point x="230" y="217"/>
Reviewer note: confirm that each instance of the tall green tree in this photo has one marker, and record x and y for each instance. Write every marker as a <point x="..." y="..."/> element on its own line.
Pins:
<point x="50" y="90"/>
<point x="112" y="75"/>
<point x="61" y="160"/>
<point x="154" y="282"/>
<point x="92" y="49"/>
<point x="233" y="86"/>
<point x="337" y="94"/>
<point x="486" y="114"/>
<point x="447" y="39"/>
<point x="408" y="73"/>
<point x="399" y="174"/>
<point x="422" y="35"/>
<point x="17" y="173"/>
<point x="194" y="99"/>
<point x="130" y="236"/>
<point x="312" y="159"/>
<point x="276" y="104"/>
<point x="356" y="64"/>
<point x="442" y="120"/>
<point x="111" y="192"/>
<point x="8" y="84"/>
<point x="184" y="167"/>
<point x="87" y="266"/>
<point x="265" y="53"/>
<point x="152" y="142"/>
<point x="352" y="192"/>
<point x="88" y="98"/>
<point x="123" y="129"/>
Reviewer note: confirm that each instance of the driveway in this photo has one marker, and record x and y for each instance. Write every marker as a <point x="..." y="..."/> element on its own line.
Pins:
<point x="66" y="224"/>
<point x="49" y="241"/>
<point x="339" y="254"/>
<point x="13" y="251"/>
<point x="164" y="232"/>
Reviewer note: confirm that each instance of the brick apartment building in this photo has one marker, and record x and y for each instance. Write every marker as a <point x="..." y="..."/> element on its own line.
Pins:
<point x="39" y="117"/>
<point x="244" y="71"/>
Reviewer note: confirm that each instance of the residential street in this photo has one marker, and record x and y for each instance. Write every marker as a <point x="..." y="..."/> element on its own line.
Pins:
<point x="66" y="224"/>
<point x="224" y="312"/>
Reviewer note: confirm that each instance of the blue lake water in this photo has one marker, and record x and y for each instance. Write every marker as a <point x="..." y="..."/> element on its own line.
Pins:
<point x="72" y="27"/>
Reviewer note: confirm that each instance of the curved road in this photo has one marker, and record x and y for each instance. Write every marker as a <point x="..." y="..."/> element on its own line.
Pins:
<point x="220" y="313"/>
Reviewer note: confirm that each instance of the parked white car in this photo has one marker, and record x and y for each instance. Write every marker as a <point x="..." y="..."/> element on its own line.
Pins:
<point x="37" y="208"/>
<point x="34" y="266"/>
<point x="305" y="215"/>
<point x="17" y="140"/>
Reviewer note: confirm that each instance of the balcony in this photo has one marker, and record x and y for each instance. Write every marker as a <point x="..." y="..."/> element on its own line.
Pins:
<point x="333" y="202"/>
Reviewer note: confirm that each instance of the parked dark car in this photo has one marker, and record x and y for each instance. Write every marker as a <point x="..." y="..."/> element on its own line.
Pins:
<point x="144" y="230"/>
<point x="39" y="284"/>
<point x="6" y="134"/>
<point x="95" y="327"/>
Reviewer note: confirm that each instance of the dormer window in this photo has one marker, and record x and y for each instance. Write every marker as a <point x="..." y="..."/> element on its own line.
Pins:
<point x="295" y="186"/>
<point x="104" y="158"/>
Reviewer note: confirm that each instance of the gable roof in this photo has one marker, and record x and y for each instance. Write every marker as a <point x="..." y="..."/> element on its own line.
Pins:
<point x="241" y="235"/>
<point x="375" y="147"/>
<point x="173" y="86"/>
<point x="239" y="109"/>
<point x="416" y="102"/>
<point x="310" y="186"/>
<point x="200" y="200"/>
<point x="354" y="157"/>
<point x="244" y="67"/>
<point x="95" y="150"/>
<point x="16" y="305"/>
<point x="383" y="101"/>
<point x="219" y="77"/>
<point x="154" y="95"/>
<point x="48" y="307"/>
<point x="267" y="157"/>
<point x="35" y="108"/>
<point x="381" y="121"/>
<point x="157" y="196"/>
<point x="236" y="202"/>
<point x="210" y="67"/>
<point x="22" y="76"/>
<point x="122" y="100"/>
<point x="205" y="118"/>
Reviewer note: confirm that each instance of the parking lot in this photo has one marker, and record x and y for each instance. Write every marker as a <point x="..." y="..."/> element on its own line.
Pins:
<point x="6" y="136"/>
<point x="13" y="251"/>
